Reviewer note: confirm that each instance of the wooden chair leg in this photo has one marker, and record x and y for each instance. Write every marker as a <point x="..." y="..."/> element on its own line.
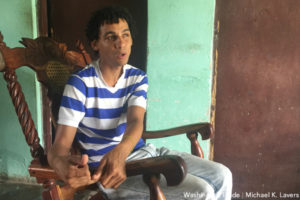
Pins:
<point x="153" y="183"/>
<point x="52" y="191"/>
<point x="52" y="194"/>
<point x="55" y="192"/>
<point x="67" y="193"/>
<point x="98" y="196"/>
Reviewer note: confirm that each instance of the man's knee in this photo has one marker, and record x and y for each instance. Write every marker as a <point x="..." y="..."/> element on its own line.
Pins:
<point x="225" y="173"/>
<point x="194" y="187"/>
<point x="207" y="193"/>
<point x="197" y="192"/>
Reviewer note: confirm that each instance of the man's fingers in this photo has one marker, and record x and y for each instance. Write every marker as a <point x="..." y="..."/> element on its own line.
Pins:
<point x="79" y="160"/>
<point x="118" y="183"/>
<point x="81" y="181"/>
<point x="106" y="179"/>
<point x="99" y="170"/>
<point x="75" y="171"/>
<point x="112" y="180"/>
<point x="83" y="172"/>
<point x="84" y="159"/>
<point x="75" y="159"/>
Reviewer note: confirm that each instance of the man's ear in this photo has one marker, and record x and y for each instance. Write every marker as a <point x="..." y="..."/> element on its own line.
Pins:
<point x="94" y="45"/>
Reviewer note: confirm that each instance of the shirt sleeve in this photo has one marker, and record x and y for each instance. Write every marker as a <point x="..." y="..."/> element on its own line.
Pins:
<point x="139" y="95"/>
<point x="72" y="109"/>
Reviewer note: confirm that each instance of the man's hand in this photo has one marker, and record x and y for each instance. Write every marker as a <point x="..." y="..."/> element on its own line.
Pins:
<point x="70" y="168"/>
<point x="74" y="170"/>
<point x="111" y="171"/>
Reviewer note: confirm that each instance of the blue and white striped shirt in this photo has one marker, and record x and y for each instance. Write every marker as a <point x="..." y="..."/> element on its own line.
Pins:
<point x="99" y="111"/>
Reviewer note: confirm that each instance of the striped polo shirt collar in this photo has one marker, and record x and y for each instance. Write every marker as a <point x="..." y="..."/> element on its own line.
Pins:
<point x="95" y="64"/>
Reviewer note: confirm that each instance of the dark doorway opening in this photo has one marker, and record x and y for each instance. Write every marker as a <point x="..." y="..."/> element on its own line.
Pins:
<point x="67" y="20"/>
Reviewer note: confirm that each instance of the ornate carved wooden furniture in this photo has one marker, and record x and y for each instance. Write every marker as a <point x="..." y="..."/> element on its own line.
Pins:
<point x="53" y="64"/>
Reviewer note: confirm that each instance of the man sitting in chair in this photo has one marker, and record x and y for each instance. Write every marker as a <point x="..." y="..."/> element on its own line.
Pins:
<point x="103" y="109"/>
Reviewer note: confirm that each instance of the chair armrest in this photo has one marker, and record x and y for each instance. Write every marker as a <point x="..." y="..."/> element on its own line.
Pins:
<point x="172" y="167"/>
<point x="205" y="129"/>
<point x="42" y="171"/>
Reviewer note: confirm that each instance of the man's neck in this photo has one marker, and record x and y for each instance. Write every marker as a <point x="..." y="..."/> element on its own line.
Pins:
<point x="110" y="74"/>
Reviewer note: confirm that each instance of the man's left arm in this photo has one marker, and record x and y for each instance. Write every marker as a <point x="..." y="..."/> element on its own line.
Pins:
<point x="111" y="170"/>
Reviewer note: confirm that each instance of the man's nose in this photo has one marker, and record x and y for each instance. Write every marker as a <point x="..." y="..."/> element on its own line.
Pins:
<point x="120" y="42"/>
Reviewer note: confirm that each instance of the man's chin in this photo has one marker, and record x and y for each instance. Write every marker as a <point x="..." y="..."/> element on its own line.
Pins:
<point x="122" y="63"/>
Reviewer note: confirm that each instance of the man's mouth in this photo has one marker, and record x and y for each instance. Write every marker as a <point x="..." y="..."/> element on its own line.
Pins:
<point x="122" y="55"/>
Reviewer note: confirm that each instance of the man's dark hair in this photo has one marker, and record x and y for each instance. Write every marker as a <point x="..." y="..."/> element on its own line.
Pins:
<point x="107" y="15"/>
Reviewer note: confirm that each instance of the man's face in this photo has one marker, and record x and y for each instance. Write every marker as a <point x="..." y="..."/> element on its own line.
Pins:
<point x="114" y="44"/>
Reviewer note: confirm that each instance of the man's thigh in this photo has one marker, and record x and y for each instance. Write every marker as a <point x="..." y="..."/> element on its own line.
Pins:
<point x="215" y="174"/>
<point x="193" y="187"/>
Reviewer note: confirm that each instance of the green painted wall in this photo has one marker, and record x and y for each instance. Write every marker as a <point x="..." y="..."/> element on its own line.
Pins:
<point x="18" y="19"/>
<point x="179" y="68"/>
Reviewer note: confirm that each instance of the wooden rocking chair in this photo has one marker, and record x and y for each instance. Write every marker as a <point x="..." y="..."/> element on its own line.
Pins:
<point x="53" y="64"/>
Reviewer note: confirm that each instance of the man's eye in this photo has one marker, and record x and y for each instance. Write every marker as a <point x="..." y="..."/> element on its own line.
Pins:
<point x="126" y="35"/>
<point x="111" y="37"/>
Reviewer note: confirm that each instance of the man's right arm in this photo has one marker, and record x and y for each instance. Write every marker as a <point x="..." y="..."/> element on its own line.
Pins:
<point x="73" y="169"/>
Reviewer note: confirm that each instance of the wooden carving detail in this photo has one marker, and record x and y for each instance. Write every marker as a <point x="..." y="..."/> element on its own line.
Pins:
<point x="38" y="53"/>
<point x="53" y="64"/>
<point x="206" y="132"/>
<point x="23" y="113"/>
<point x="195" y="146"/>
<point x="85" y="54"/>
<point x="46" y="56"/>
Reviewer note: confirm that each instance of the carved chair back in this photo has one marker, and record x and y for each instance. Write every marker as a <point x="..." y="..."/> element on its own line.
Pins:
<point x="53" y="64"/>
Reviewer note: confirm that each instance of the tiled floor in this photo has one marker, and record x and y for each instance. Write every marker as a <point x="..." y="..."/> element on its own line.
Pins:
<point x="16" y="190"/>
<point x="19" y="191"/>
